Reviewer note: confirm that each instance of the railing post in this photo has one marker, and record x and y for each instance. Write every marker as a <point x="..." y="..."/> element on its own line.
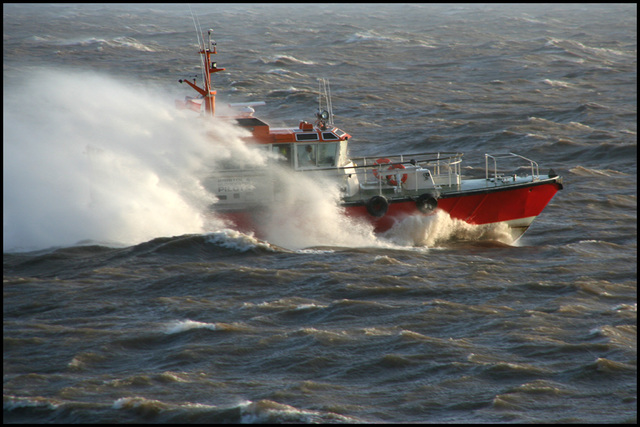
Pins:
<point x="486" y="166"/>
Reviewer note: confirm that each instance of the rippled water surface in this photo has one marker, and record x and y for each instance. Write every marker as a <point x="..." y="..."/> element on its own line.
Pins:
<point x="123" y="303"/>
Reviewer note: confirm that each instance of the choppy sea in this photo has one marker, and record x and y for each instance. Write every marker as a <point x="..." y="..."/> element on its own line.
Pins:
<point x="123" y="303"/>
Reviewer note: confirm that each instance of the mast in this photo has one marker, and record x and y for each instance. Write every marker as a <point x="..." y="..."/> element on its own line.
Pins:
<point x="209" y="67"/>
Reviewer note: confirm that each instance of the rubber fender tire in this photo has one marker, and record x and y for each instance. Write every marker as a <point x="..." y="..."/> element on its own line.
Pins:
<point x="377" y="206"/>
<point x="426" y="203"/>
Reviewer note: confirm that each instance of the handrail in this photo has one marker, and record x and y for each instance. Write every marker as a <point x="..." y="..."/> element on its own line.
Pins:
<point x="531" y="162"/>
<point x="535" y="172"/>
<point x="447" y="155"/>
<point x="429" y="162"/>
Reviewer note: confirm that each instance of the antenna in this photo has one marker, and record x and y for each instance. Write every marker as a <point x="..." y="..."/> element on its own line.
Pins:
<point x="212" y="44"/>
<point x="325" y="108"/>
<point x="196" y="24"/>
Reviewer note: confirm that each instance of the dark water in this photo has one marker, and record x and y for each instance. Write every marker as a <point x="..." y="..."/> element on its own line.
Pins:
<point x="122" y="303"/>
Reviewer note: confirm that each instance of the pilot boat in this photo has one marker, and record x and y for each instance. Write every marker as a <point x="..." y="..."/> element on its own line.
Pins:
<point x="382" y="189"/>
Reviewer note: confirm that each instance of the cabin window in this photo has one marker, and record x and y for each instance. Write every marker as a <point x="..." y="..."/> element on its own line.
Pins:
<point x="306" y="137"/>
<point x="310" y="155"/>
<point x="283" y="152"/>
<point x="306" y="155"/>
<point x="327" y="154"/>
<point x="328" y="135"/>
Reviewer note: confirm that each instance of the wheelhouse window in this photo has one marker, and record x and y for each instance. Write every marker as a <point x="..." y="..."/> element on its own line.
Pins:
<point x="316" y="155"/>
<point x="327" y="154"/>
<point x="283" y="152"/>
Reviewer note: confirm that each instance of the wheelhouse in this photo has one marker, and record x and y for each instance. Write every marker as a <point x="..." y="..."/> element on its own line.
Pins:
<point x="311" y="155"/>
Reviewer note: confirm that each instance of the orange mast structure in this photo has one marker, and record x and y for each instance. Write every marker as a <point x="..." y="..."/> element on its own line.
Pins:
<point x="208" y="67"/>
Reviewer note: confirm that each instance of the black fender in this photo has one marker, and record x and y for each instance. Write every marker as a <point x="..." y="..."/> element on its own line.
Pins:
<point x="377" y="206"/>
<point x="426" y="203"/>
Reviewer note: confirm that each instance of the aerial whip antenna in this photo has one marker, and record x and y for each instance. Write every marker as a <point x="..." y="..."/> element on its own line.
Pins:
<point x="325" y="108"/>
<point x="199" y="37"/>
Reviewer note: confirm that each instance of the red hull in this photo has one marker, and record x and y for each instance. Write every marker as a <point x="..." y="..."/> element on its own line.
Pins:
<point x="500" y="206"/>
<point x="474" y="207"/>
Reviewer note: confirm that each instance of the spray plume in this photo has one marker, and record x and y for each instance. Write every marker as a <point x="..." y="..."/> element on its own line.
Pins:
<point x="90" y="158"/>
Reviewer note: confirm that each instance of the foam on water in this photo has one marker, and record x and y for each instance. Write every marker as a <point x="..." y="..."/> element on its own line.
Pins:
<point x="268" y="411"/>
<point x="186" y="325"/>
<point x="233" y="239"/>
<point x="434" y="230"/>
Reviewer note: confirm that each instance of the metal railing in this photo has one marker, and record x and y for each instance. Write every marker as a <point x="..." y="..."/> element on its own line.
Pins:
<point x="535" y="174"/>
<point x="435" y="164"/>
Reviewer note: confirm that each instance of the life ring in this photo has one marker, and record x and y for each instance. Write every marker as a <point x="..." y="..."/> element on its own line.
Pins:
<point x="391" y="179"/>
<point x="377" y="163"/>
<point x="377" y="206"/>
<point x="426" y="203"/>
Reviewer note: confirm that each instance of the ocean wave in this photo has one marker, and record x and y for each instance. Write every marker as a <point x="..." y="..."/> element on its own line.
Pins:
<point x="557" y="83"/>
<point x="538" y="387"/>
<point x="278" y="71"/>
<point x="187" y="325"/>
<point x="584" y="171"/>
<point x="608" y="366"/>
<point x="563" y="121"/>
<point x="240" y="242"/>
<point x="287" y="304"/>
<point x="225" y="240"/>
<point x="580" y="50"/>
<point x="117" y="42"/>
<point x="131" y="43"/>
<point x="270" y="412"/>
<point x="144" y="409"/>
<point x="624" y="337"/>
<point x="367" y="36"/>
<point x="229" y="240"/>
<point x="293" y="94"/>
<point x="627" y="307"/>
<point x="139" y="403"/>
<point x="180" y="326"/>
<point x="515" y="370"/>
<point x="284" y="60"/>
<point x="12" y="403"/>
